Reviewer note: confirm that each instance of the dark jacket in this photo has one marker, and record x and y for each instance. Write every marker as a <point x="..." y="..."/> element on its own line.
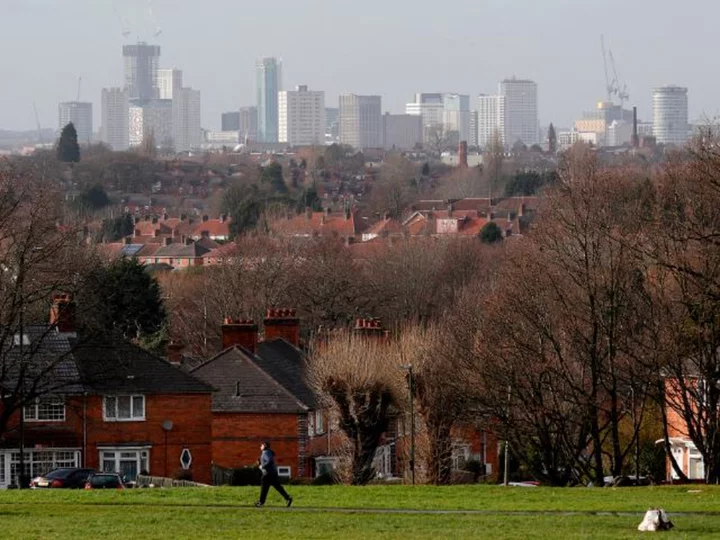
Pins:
<point x="267" y="462"/>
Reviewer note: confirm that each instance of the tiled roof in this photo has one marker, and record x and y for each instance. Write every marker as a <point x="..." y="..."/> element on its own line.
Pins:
<point x="386" y="226"/>
<point x="182" y="251"/>
<point x="286" y="364"/>
<point x="317" y="224"/>
<point x="214" y="227"/>
<point x="111" y="364"/>
<point x="241" y="385"/>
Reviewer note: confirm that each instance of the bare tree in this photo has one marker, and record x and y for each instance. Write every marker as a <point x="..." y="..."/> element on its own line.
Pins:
<point x="359" y="375"/>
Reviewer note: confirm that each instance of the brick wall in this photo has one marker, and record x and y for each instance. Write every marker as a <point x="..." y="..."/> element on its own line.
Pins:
<point x="236" y="439"/>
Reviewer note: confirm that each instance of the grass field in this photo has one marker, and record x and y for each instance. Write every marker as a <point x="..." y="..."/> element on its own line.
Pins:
<point x="367" y="512"/>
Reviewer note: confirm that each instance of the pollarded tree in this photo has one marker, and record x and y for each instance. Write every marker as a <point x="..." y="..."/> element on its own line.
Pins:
<point x="361" y="378"/>
<point x="491" y="233"/>
<point x="68" y="149"/>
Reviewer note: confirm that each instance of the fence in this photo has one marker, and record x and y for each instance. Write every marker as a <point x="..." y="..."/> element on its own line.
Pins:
<point x="159" y="481"/>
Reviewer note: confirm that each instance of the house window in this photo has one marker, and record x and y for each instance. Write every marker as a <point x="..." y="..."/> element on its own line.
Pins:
<point x="284" y="472"/>
<point x="311" y="425"/>
<point x="319" y="426"/>
<point x="39" y="462"/>
<point x="128" y="462"/>
<point x="3" y="476"/>
<point x="45" y="410"/>
<point x="124" y="408"/>
<point x="460" y="456"/>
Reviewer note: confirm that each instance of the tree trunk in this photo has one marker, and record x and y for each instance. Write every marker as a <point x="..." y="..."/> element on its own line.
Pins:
<point x="439" y="463"/>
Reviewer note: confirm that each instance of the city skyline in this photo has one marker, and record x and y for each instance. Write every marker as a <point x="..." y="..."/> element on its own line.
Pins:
<point x="536" y="46"/>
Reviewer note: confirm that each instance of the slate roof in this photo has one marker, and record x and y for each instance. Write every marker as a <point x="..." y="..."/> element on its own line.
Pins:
<point x="286" y="364"/>
<point x="241" y="386"/>
<point x="112" y="364"/>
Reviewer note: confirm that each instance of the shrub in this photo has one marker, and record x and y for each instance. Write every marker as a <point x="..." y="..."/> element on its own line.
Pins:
<point x="246" y="476"/>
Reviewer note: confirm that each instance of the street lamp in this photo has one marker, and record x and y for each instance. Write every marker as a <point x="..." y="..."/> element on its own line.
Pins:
<point x="411" y="389"/>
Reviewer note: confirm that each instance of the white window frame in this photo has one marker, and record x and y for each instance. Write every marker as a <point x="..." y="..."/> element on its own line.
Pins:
<point x="284" y="472"/>
<point x="319" y="424"/>
<point x="142" y="453"/>
<point x="132" y="417"/>
<point x="35" y="408"/>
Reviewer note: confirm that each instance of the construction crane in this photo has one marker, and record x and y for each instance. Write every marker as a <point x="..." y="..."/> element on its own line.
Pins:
<point x="123" y="23"/>
<point x="620" y="88"/>
<point x="158" y="30"/>
<point x="37" y="121"/>
<point x="609" y="85"/>
<point x="78" y="94"/>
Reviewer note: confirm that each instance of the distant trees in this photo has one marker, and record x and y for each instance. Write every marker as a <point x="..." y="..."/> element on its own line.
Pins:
<point x="68" y="149"/>
<point x="396" y="187"/>
<point x="528" y="183"/>
<point x="91" y="199"/>
<point x="272" y="175"/>
<point x="116" y="228"/>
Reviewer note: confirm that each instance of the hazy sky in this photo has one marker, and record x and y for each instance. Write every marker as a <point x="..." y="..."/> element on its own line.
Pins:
<point x="389" y="47"/>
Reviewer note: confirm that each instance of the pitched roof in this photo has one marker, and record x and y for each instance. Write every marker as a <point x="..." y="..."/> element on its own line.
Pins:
<point x="287" y="365"/>
<point x="179" y="250"/>
<point x="241" y="385"/>
<point x="214" y="227"/>
<point x="112" y="364"/>
<point x="317" y="224"/>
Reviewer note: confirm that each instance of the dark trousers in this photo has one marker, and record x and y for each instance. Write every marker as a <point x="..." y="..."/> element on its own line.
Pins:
<point x="274" y="481"/>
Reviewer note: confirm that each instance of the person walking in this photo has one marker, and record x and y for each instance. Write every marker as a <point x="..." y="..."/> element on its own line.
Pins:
<point x="270" y="476"/>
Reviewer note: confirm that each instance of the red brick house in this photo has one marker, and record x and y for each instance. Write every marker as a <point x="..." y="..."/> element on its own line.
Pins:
<point x="111" y="406"/>
<point x="260" y="394"/>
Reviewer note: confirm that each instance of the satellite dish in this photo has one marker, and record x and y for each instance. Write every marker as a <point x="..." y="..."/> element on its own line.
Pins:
<point x="167" y="425"/>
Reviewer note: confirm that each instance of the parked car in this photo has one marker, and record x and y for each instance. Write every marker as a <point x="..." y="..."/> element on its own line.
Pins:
<point x="66" y="477"/>
<point x="105" y="480"/>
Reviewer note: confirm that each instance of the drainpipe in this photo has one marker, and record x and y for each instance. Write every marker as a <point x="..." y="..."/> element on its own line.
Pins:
<point x="84" y="456"/>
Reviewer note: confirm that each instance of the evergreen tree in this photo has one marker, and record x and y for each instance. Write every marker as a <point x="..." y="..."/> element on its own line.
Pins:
<point x="491" y="233"/>
<point x="128" y="300"/>
<point x="68" y="149"/>
<point x="552" y="139"/>
<point x="272" y="174"/>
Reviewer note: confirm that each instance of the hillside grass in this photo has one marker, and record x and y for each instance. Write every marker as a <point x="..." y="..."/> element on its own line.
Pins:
<point x="226" y="512"/>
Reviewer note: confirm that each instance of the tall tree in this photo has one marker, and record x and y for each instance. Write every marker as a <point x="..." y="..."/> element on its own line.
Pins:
<point x="272" y="175"/>
<point x="552" y="139"/>
<point x="68" y="149"/>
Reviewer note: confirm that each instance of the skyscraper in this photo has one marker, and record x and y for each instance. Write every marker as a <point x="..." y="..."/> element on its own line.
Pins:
<point x="141" y="71"/>
<point x="456" y="116"/>
<point x="521" y="111"/>
<point x="361" y="121"/>
<point x="150" y="118"/>
<point x="80" y="114"/>
<point x="230" y="121"/>
<point x="186" y="130"/>
<point x="248" y="127"/>
<point x="268" y="72"/>
<point x="301" y="117"/>
<point x="114" y="118"/>
<point x="670" y="114"/>
<point x="490" y="119"/>
<point x="169" y="80"/>
<point x="430" y="107"/>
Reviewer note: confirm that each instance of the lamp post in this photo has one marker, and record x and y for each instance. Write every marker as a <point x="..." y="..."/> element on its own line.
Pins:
<point x="411" y="388"/>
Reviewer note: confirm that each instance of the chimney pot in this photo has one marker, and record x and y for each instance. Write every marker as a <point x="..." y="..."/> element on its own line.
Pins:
<point x="239" y="332"/>
<point x="62" y="313"/>
<point x="282" y="323"/>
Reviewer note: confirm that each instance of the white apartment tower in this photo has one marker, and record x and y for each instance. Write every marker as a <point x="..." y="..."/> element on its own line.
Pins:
<point x="80" y="114"/>
<point x="150" y="118"/>
<point x="186" y="113"/>
<point x="361" y="121"/>
<point x="490" y="119"/>
<point x="169" y="80"/>
<point x="301" y="117"/>
<point x="521" y="111"/>
<point x="114" y="118"/>
<point x="670" y="115"/>
<point x="430" y="107"/>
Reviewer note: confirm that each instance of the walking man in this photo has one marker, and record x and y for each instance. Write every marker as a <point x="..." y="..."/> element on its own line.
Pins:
<point x="270" y="476"/>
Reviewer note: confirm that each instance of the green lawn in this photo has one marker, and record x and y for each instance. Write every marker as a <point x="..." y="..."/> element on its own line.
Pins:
<point x="226" y="513"/>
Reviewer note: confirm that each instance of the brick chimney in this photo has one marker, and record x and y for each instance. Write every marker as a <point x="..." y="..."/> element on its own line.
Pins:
<point x="282" y="323"/>
<point x="239" y="332"/>
<point x="174" y="352"/>
<point x="371" y="328"/>
<point x="462" y="155"/>
<point x="62" y="313"/>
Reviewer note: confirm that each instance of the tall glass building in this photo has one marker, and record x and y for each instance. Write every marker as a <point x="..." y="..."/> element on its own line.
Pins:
<point x="269" y="83"/>
<point x="141" y="71"/>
